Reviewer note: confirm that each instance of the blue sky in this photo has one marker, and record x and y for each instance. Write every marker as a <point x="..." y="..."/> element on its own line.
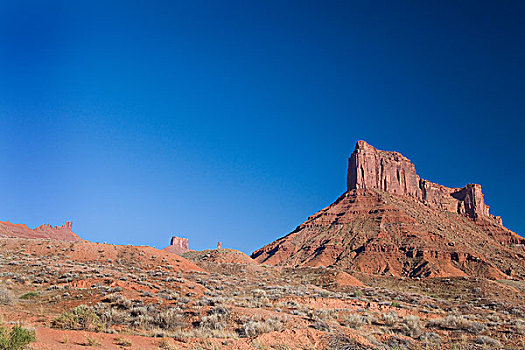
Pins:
<point x="233" y="120"/>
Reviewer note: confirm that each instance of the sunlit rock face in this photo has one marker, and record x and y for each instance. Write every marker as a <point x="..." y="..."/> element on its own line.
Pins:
<point x="391" y="172"/>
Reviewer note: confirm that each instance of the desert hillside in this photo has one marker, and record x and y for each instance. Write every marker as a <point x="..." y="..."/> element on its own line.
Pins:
<point x="392" y="222"/>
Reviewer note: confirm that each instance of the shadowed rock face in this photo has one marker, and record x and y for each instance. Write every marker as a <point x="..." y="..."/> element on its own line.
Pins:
<point x="391" y="172"/>
<point x="178" y="246"/>
<point x="390" y="221"/>
<point x="61" y="233"/>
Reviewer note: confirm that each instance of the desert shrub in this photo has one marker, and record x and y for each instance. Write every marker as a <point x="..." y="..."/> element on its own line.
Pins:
<point x="139" y="310"/>
<point x="291" y="304"/>
<point x="203" y="333"/>
<point x="324" y="314"/>
<point x="91" y="341"/>
<point x="29" y="295"/>
<point x="357" y="321"/>
<point x="6" y="297"/>
<point x="476" y="327"/>
<point x="170" y="319"/>
<point x="253" y="328"/>
<point x="122" y="342"/>
<point x="395" y="342"/>
<point x="519" y="326"/>
<point x="222" y="311"/>
<point x="166" y="344"/>
<point x="118" y="300"/>
<point x="111" y="316"/>
<point x="484" y="340"/>
<point x="322" y="326"/>
<point x="430" y="338"/>
<point x="342" y="342"/>
<point x="80" y="318"/>
<point x="390" y="319"/>
<point x="213" y="321"/>
<point x="456" y="323"/>
<point x="258" y="299"/>
<point x="16" y="338"/>
<point x="217" y="318"/>
<point x="411" y="326"/>
<point x="143" y="321"/>
<point x="259" y="293"/>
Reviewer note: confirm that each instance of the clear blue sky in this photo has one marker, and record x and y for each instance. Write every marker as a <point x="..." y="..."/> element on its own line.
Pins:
<point x="233" y="120"/>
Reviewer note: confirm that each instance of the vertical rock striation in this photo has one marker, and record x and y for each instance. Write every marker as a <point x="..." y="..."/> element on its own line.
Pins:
<point x="373" y="169"/>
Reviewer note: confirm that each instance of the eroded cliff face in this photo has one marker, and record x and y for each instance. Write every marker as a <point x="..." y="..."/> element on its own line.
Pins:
<point x="390" y="221"/>
<point x="370" y="168"/>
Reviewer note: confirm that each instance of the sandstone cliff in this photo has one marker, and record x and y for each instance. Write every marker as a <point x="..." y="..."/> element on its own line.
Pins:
<point x="178" y="246"/>
<point x="390" y="221"/>
<point x="391" y="172"/>
<point x="61" y="233"/>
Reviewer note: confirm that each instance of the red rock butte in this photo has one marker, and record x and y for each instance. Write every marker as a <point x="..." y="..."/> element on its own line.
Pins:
<point x="370" y="168"/>
<point x="178" y="246"/>
<point x="59" y="233"/>
<point x="390" y="221"/>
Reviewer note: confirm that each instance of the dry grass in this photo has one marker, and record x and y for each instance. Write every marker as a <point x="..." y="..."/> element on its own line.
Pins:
<point x="254" y="327"/>
<point x="456" y="322"/>
<point x="91" y="341"/>
<point x="6" y="297"/>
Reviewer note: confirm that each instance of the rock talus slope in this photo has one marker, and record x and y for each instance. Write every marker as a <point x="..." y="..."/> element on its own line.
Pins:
<point x="390" y="221"/>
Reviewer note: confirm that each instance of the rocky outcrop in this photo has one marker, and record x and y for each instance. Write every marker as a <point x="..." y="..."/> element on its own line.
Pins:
<point x="218" y="256"/>
<point x="390" y="221"/>
<point x="178" y="246"/>
<point x="391" y="172"/>
<point x="61" y="233"/>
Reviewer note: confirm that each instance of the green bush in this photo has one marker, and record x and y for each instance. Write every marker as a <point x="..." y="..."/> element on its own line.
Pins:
<point x="80" y="318"/>
<point x="29" y="295"/>
<point x="16" y="338"/>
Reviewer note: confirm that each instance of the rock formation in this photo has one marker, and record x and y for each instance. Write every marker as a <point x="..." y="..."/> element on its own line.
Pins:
<point x="178" y="246"/>
<point x="390" y="221"/>
<point x="61" y="233"/>
<point x="391" y="172"/>
<point x="219" y="256"/>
